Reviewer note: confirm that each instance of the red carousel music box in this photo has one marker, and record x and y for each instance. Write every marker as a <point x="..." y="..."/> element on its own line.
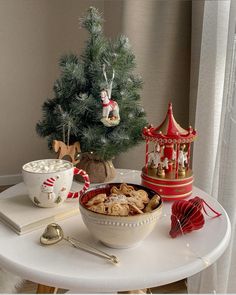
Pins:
<point x="167" y="165"/>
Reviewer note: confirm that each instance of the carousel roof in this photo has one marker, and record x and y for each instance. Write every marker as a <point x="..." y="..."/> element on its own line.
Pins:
<point x="169" y="131"/>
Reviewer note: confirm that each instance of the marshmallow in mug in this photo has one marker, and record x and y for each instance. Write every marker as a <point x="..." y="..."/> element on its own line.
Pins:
<point x="48" y="165"/>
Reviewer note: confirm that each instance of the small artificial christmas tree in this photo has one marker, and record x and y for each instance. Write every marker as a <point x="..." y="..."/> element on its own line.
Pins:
<point x="76" y="111"/>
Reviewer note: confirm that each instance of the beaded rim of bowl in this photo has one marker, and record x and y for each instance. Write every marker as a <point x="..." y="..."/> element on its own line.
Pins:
<point x="127" y="223"/>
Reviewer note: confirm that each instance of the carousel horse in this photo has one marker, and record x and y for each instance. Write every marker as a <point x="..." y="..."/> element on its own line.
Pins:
<point x="182" y="158"/>
<point x="154" y="158"/>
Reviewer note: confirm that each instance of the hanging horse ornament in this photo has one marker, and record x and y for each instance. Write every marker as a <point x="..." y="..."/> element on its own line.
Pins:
<point x="110" y="108"/>
<point x="187" y="216"/>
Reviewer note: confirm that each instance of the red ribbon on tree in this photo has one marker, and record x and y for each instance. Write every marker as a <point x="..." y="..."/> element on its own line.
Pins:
<point x="187" y="216"/>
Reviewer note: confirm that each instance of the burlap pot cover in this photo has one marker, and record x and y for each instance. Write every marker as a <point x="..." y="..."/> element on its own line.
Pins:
<point x="98" y="170"/>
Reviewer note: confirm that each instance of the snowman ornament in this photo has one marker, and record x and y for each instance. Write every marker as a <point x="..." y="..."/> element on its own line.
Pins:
<point x="47" y="189"/>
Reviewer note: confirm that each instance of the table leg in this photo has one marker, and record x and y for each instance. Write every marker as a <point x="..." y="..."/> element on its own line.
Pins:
<point x="140" y="291"/>
<point x="42" y="289"/>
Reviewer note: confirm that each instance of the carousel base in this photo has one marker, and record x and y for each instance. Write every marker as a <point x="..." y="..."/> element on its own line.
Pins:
<point x="168" y="186"/>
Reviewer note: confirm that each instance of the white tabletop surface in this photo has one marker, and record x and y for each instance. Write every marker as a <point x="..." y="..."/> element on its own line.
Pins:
<point x="158" y="260"/>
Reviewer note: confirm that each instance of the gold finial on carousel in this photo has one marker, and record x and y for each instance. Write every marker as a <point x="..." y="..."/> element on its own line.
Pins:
<point x="170" y="109"/>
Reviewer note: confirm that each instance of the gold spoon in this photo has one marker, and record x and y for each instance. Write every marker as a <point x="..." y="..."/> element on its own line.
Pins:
<point x="54" y="234"/>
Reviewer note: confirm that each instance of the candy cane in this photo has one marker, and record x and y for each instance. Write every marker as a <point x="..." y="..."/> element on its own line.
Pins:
<point x="86" y="184"/>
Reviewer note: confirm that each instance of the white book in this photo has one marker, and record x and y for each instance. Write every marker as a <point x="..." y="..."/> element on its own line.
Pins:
<point x="21" y="215"/>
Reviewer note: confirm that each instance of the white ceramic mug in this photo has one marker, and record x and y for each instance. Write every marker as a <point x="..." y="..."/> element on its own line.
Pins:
<point x="49" y="181"/>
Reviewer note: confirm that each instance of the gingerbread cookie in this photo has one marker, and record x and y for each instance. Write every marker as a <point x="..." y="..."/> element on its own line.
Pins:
<point x="134" y="210"/>
<point x="154" y="202"/>
<point x="116" y="190"/>
<point x="96" y="200"/>
<point x="144" y="196"/>
<point x="99" y="208"/>
<point x="123" y="201"/>
<point x="123" y="189"/>
<point x="137" y="201"/>
<point x="126" y="189"/>
<point x="118" y="209"/>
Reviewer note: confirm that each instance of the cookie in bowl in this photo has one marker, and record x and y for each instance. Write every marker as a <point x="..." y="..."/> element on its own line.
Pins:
<point x="120" y="215"/>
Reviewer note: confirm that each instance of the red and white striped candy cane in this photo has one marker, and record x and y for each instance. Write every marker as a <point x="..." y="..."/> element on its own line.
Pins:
<point x="86" y="183"/>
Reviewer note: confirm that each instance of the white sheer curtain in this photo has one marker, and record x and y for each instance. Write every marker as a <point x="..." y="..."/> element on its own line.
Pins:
<point x="214" y="161"/>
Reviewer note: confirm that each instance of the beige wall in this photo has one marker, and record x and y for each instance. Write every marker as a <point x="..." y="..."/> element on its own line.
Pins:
<point x="160" y="33"/>
<point x="35" y="33"/>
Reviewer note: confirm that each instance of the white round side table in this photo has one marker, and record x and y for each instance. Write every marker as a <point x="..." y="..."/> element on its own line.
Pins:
<point x="158" y="260"/>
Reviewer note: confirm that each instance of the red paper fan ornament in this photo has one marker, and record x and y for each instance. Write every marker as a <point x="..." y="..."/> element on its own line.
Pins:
<point x="187" y="216"/>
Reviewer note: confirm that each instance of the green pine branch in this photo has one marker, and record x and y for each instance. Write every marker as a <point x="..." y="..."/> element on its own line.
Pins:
<point x="75" y="111"/>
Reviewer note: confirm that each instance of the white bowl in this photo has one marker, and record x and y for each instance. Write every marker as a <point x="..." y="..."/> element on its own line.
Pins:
<point x="118" y="231"/>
